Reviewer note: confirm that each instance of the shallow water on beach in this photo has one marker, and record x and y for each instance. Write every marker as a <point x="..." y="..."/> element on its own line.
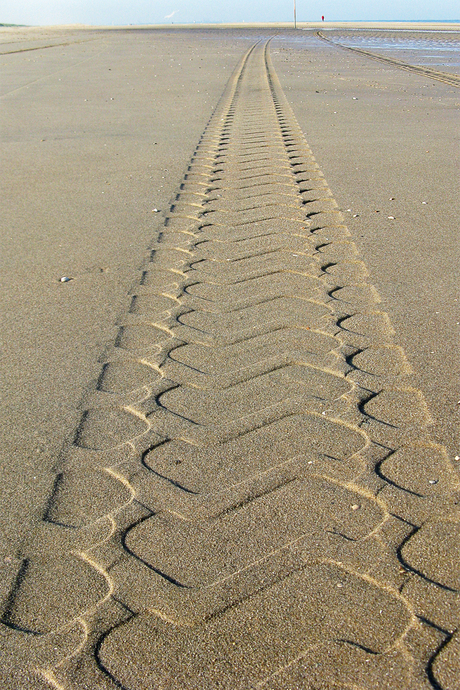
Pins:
<point x="437" y="49"/>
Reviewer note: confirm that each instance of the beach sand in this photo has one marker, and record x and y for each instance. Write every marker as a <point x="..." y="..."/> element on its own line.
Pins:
<point x="99" y="127"/>
<point x="381" y="137"/>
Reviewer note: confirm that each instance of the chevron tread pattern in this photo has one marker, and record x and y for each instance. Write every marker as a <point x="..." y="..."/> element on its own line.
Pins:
<point x="251" y="498"/>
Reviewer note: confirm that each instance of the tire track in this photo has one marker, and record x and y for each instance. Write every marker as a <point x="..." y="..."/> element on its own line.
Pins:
<point x="49" y="45"/>
<point x="251" y="498"/>
<point x="445" y="77"/>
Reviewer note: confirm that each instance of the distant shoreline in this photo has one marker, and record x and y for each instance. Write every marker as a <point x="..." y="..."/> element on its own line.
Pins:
<point x="422" y="24"/>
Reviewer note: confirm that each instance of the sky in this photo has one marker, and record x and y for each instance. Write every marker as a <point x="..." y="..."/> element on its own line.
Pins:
<point x="123" y="12"/>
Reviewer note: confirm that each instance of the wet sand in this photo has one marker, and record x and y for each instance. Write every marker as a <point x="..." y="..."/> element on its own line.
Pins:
<point x="99" y="127"/>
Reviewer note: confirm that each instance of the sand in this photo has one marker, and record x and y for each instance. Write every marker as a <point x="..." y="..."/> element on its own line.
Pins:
<point x="381" y="134"/>
<point x="99" y="128"/>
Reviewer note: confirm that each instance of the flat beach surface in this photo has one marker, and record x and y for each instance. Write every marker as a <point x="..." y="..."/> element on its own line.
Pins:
<point x="99" y="127"/>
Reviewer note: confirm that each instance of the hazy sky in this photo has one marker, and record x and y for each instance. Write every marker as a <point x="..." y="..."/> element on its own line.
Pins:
<point x="187" y="11"/>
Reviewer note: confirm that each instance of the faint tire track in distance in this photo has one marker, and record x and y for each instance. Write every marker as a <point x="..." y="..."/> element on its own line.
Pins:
<point x="445" y="77"/>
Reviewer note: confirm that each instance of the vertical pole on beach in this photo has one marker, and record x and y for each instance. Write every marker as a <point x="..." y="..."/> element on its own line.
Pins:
<point x="295" y="17"/>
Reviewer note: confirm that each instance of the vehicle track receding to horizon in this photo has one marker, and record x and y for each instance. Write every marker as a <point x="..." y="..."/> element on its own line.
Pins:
<point x="251" y="498"/>
<point x="444" y="77"/>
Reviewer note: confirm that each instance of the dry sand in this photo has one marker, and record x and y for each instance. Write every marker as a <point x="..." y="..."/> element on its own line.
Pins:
<point x="97" y="134"/>
<point x="99" y="127"/>
<point x="381" y="133"/>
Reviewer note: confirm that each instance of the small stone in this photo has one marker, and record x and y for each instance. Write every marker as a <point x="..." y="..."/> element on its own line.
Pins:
<point x="65" y="279"/>
<point x="355" y="506"/>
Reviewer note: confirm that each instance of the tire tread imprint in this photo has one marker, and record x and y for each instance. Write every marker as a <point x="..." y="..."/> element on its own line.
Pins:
<point x="253" y="372"/>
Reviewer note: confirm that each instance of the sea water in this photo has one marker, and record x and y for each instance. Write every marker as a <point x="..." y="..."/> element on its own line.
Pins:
<point x="437" y="49"/>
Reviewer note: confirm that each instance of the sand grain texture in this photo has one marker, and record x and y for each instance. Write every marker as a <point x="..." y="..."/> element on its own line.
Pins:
<point x="251" y="496"/>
